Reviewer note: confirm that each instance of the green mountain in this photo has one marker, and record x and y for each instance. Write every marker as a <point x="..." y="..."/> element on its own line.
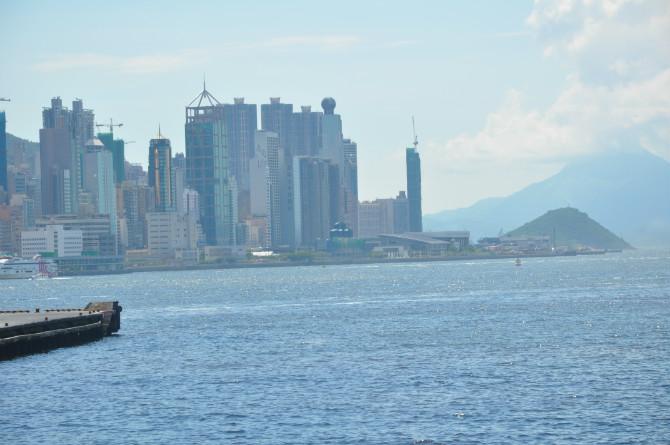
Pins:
<point x="572" y="228"/>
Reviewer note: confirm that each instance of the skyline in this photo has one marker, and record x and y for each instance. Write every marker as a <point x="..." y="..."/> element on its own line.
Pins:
<point x="492" y="109"/>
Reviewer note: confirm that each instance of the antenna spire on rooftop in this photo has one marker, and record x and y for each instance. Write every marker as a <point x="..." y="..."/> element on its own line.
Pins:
<point x="416" y="140"/>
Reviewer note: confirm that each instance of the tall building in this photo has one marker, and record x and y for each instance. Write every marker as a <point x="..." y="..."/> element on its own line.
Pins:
<point x="160" y="173"/>
<point x="316" y="190"/>
<point x="117" y="147"/>
<point x="136" y="201"/>
<point x="277" y="117"/>
<point x="4" y="183"/>
<point x="413" y="163"/>
<point x="240" y="120"/>
<point x="98" y="174"/>
<point x="207" y="169"/>
<point x="306" y="132"/>
<point x="351" y="184"/>
<point x="179" y="180"/>
<point x="265" y="186"/>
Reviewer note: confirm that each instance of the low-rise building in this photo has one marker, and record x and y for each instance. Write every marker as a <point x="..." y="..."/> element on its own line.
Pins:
<point x="52" y="240"/>
<point x="428" y="243"/>
<point x="170" y="231"/>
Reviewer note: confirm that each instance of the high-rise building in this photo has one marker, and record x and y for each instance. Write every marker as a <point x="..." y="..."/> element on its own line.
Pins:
<point x="351" y="184"/>
<point x="277" y="117"/>
<point x="63" y="138"/>
<point x="179" y="180"/>
<point x="413" y="163"/>
<point x="316" y="194"/>
<point x="306" y="132"/>
<point x="98" y="174"/>
<point x="207" y="169"/>
<point x="97" y="232"/>
<point x="117" y="147"/>
<point x="240" y="120"/>
<point x="136" y="200"/>
<point x="265" y="186"/>
<point x="160" y="173"/>
<point x="4" y="183"/>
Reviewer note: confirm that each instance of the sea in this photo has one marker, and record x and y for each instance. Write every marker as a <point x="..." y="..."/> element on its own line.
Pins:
<point x="564" y="350"/>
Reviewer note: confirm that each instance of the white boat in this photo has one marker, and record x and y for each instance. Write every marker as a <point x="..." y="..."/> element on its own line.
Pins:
<point x="22" y="268"/>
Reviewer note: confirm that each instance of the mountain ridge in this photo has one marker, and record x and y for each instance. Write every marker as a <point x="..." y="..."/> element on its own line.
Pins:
<point x="624" y="191"/>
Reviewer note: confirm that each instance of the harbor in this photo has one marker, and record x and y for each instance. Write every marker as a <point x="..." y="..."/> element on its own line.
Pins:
<point x="24" y="332"/>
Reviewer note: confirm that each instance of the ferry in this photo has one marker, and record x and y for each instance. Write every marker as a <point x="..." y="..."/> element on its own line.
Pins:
<point x="22" y="268"/>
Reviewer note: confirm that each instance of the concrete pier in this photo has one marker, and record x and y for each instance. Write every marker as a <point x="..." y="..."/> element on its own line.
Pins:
<point x="24" y="332"/>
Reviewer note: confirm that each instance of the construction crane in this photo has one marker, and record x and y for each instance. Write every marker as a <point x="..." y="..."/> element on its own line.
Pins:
<point x="416" y="140"/>
<point x="110" y="125"/>
<point x="4" y="99"/>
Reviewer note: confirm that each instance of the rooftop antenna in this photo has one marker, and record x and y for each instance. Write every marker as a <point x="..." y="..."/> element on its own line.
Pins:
<point x="416" y="140"/>
<point x="159" y="131"/>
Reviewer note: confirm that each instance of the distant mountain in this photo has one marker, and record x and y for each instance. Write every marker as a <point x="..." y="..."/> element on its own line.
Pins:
<point x="572" y="228"/>
<point x="627" y="192"/>
<point x="21" y="150"/>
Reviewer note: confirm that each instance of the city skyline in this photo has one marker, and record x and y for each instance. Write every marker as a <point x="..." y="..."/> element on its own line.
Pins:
<point x="491" y="86"/>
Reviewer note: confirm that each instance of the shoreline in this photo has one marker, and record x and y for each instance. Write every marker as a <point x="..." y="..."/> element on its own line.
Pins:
<point x="330" y="262"/>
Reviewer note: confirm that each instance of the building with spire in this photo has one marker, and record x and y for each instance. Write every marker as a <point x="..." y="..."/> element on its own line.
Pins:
<point x="413" y="164"/>
<point x="208" y="168"/>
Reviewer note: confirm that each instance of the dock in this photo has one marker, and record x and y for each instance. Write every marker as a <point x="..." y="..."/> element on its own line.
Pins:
<point x="24" y="332"/>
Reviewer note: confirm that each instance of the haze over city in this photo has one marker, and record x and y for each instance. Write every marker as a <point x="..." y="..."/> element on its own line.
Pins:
<point x="504" y="94"/>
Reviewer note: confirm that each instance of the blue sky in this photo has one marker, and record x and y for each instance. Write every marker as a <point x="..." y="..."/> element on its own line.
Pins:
<point x="482" y="78"/>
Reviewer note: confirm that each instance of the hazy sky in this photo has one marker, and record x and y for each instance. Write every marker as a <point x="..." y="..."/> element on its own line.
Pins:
<point x="504" y="92"/>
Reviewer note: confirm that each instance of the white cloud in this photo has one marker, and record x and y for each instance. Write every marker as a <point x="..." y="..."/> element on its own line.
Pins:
<point x="617" y="98"/>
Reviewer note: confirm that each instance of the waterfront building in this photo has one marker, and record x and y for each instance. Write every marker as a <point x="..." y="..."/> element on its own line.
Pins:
<point x="383" y="216"/>
<point x="169" y="232"/>
<point x="51" y="240"/>
<point x="98" y="174"/>
<point x="316" y="199"/>
<point x="98" y="239"/>
<point x="207" y="169"/>
<point x="4" y="182"/>
<point x="117" y="147"/>
<point x="413" y="163"/>
<point x="160" y="173"/>
<point x="277" y="117"/>
<point x="428" y="244"/>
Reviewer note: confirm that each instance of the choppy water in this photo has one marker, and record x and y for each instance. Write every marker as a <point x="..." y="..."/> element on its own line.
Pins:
<point x="562" y="350"/>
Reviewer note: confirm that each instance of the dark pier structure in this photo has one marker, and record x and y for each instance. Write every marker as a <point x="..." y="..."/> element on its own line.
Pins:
<point x="29" y="332"/>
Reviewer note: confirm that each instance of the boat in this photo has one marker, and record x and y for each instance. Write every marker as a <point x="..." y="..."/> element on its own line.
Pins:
<point x="517" y="262"/>
<point x="12" y="268"/>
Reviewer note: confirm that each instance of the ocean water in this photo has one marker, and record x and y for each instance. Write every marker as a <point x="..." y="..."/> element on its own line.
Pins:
<point x="560" y="350"/>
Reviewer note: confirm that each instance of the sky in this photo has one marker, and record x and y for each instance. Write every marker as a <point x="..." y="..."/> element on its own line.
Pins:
<point x="504" y="93"/>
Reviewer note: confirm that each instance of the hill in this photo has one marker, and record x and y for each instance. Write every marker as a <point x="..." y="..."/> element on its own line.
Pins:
<point x="571" y="228"/>
<point x="626" y="192"/>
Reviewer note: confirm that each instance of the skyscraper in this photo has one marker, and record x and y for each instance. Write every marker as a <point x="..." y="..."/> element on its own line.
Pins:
<point x="351" y="184"/>
<point x="265" y="185"/>
<point x="117" y="147"/>
<point x="4" y="184"/>
<point x="240" y="120"/>
<point x="414" y="188"/>
<point x="59" y="161"/>
<point x="306" y="132"/>
<point x="207" y="168"/>
<point x="277" y="117"/>
<point x="161" y="174"/>
<point x="98" y="180"/>
<point x="316" y="193"/>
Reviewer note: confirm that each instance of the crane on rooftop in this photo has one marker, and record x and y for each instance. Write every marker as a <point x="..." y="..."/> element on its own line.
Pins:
<point x="4" y="99"/>
<point x="111" y="126"/>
